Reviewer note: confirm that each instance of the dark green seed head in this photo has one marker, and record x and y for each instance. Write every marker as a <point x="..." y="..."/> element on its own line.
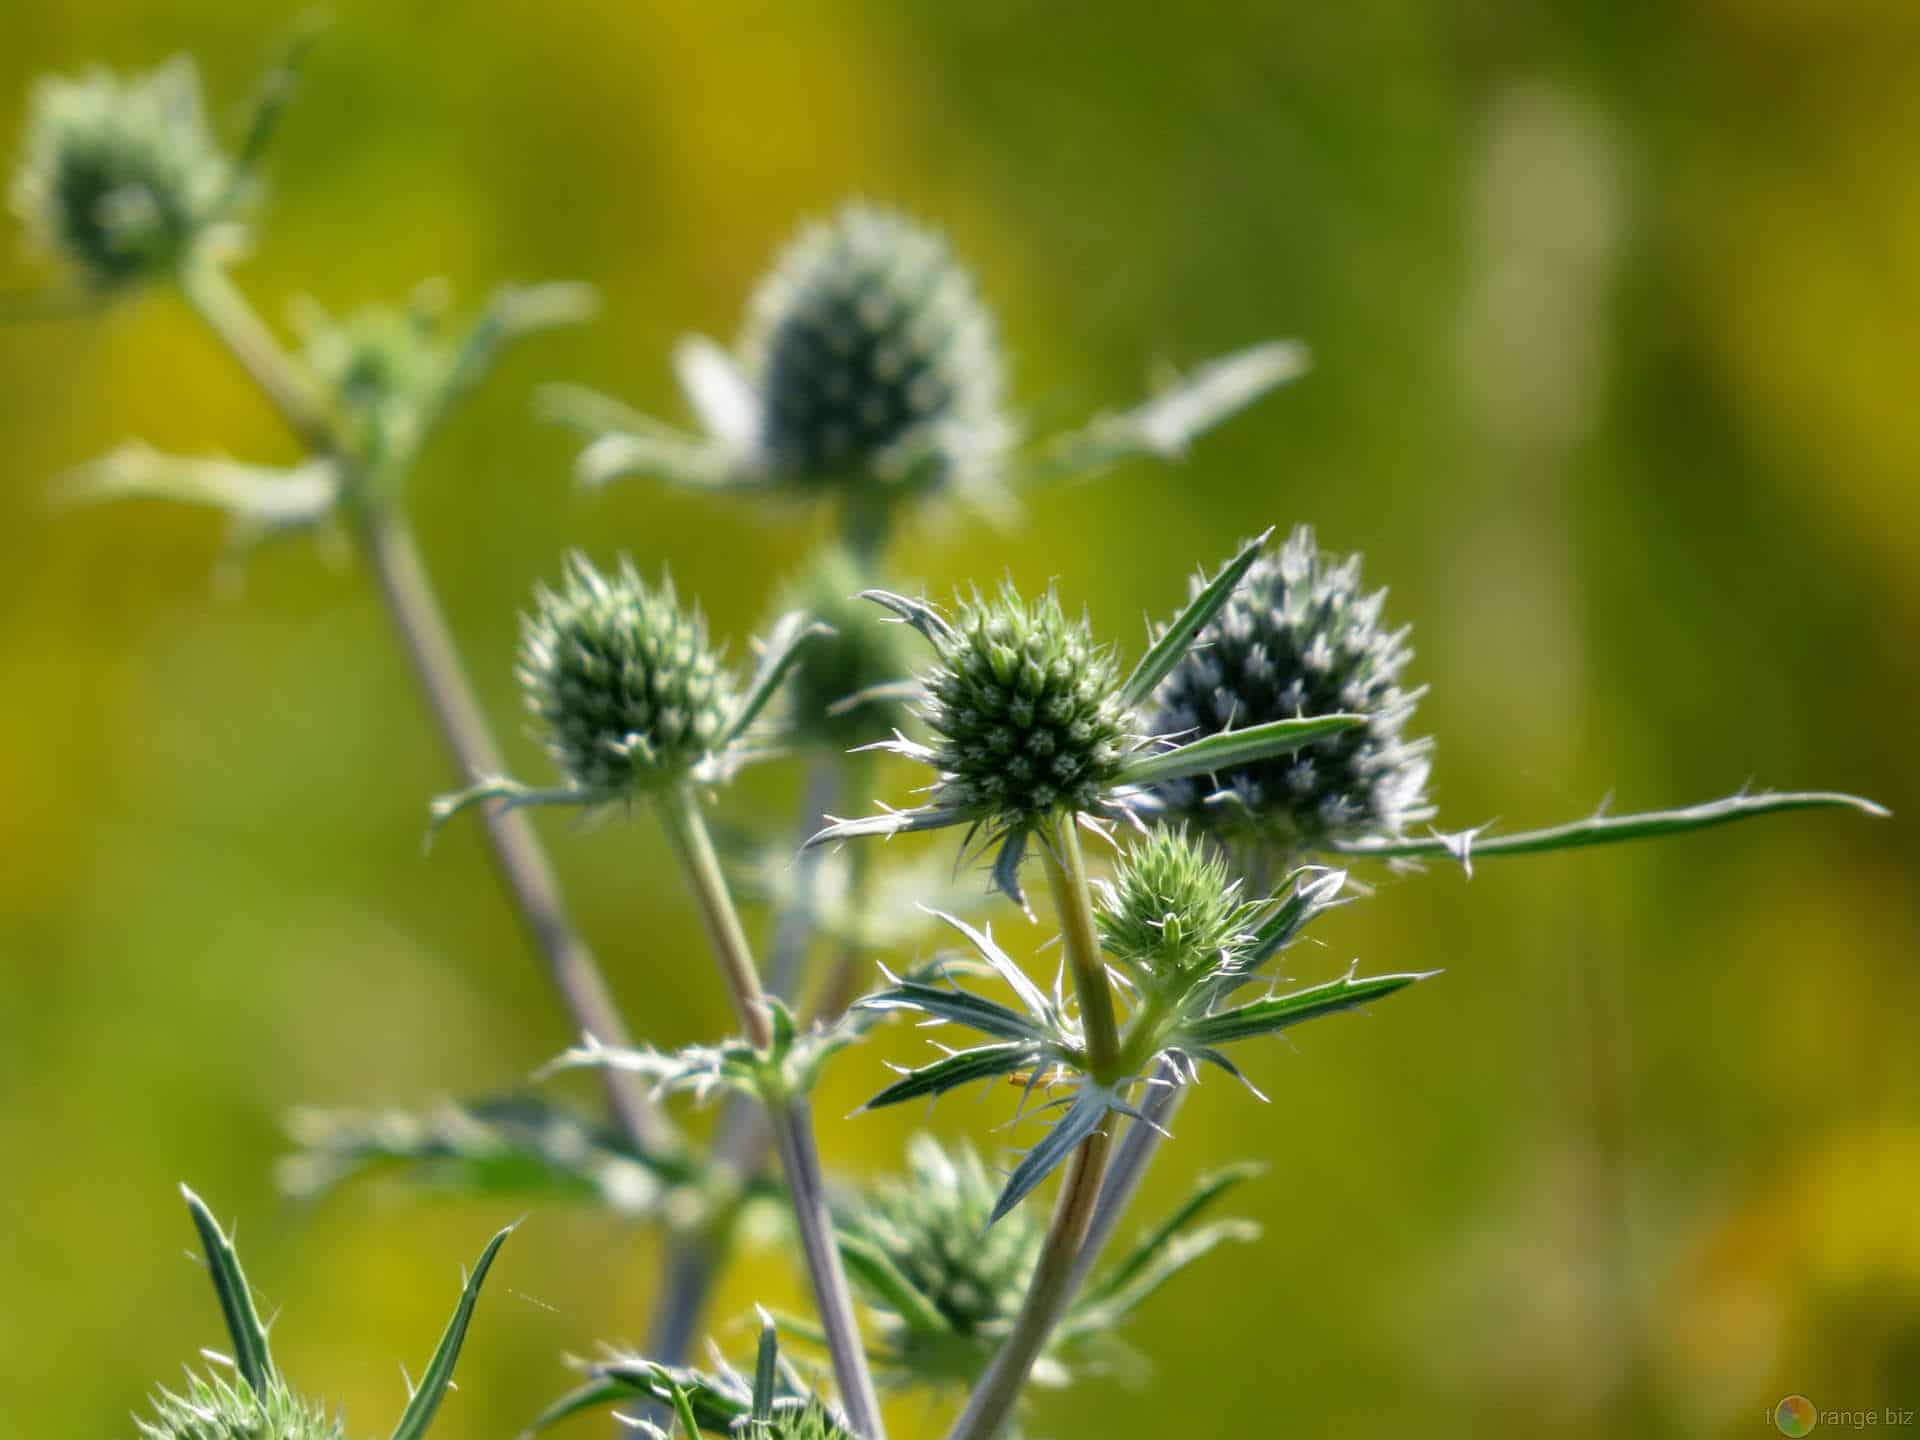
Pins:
<point x="1299" y="639"/>
<point x="876" y="363"/>
<point x="120" y="176"/>
<point x="221" y="1409"/>
<point x="1025" y="712"/>
<point x="623" y="681"/>
<point x="1171" y="910"/>
<point x="863" y="651"/>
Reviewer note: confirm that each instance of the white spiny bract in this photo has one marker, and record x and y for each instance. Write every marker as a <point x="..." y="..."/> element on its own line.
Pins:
<point x="121" y="176"/>
<point x="1298" y="639"/>
<point x="217" y="1408"/>
<point x="873" y="359"/>
<point x="626" y="688"/>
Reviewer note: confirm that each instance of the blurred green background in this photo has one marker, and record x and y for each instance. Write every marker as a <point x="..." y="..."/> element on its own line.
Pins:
<point x="1614" y="310"/>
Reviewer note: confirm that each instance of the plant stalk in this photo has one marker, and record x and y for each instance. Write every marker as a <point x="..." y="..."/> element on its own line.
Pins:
<point x="422" y="628"/>
<point x="991" y="1405"/>
<point x="1131" y="1157"/>
<point x="789" y="1119"/>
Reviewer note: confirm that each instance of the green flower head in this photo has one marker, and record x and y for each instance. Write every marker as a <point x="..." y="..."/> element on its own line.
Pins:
<point x="1171" y="911"/>
<point x="1298" y="638"/>
<point x="622" y="680"/>
<point x="121" y="176"/>
<point x="216" y="1408"/>
<point x="846" y="688"/>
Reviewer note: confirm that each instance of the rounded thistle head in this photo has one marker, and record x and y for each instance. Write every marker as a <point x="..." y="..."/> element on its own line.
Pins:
<point x="834" y="691"/>
<point x="1026" y="713"/>
<point x="931" y="1228"/>
<point x="120" y="175"/>
<point x="216" y="1408"/>
<point x="626" y="688"/>
<point x="1171" y="911"/>
<point x="874" y="360"/>
<point x="1298" y="639"/>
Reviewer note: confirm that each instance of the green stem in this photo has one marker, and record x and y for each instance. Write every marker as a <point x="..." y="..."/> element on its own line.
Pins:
<point x="788" y="1116"/>
<point x="992" y="1403"/>
<point x="422" y="628"/>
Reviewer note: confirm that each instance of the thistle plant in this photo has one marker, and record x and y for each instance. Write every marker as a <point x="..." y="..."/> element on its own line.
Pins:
<point x="1263" y="731"/>
<point x="255" y="1402"/>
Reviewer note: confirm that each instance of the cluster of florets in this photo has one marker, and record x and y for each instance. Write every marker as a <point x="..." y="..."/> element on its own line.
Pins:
<point x="216" y="1408"/>
<point x="873" y="358"/>
<point x="120" y="175"/>
<point x="1025" y="711"/>
<point x="1298" y="638"/>
<point x="1170" y="910"/>
<point x="625" y="686"/>
<point x="834" y="695"/>
<point x="931" y="1229"/>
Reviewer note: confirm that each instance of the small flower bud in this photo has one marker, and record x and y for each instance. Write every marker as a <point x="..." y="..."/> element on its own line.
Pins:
<point x="120" y="176"/>
<point x="222" y="1409"/>
<point x="1170" y="911"/>
<point x="833" y="672"/>
<point x="622" y="679"/>
<point x="874" y="359"/>
<point x="1299" y="639"/>
<point x="1026" y="712"/>
<point x="378" y="363"/>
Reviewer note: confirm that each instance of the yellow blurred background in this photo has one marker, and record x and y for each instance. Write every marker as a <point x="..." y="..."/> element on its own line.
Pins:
<point x="1614" y="313"/>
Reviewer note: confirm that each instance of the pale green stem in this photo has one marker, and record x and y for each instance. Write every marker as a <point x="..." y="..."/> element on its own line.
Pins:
<point x="991" y="1405"/>
<point x="789" y="1118"/>
<point x="422" y="628"/>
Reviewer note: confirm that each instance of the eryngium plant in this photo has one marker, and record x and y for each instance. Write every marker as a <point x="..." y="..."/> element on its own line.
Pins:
<point x="122" y="176"/>
<point x="849" y="685"/>
<point x="256" y="1403"/>
<point x="1299" y="637"/>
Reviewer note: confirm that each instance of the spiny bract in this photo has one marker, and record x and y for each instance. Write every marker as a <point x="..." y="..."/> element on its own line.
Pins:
<point x="863" y="652"/>
<point x="931" y="1225"/>
<point x="1170" y="908"/>
<point x="220" y="1409"/>
<point x="1026" y="712"/>
<point x="874" y="358"/>
<point x="622" y="679"/>
<point x="120" y="175"/>
<point x="1299" y="639"/>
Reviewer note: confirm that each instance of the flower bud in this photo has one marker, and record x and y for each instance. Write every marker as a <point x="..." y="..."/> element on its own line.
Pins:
<point x="1299" y="639"/>
<point x="120" y="176"/>
<point x="874" y="360"/>
<point x="623" y="681"/>
<point x="1026" y="712"/>
<point x="1170" y="911"/>
<point x="832" y="671"/>
<point x="222" y="1409"/>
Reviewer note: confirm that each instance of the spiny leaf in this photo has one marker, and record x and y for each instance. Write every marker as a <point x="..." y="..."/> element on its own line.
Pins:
<point x="1178" y="637"/>
<point x="439" y="1373"/>
<point x="960" y="1006"/>
<point x="251" y="1357"/>
<point x="961" y="1068"/>
<point x="790" y="632"/>
<point x="1232" y="748"/>
<point x="917" y="613"/>
<point x="1277" y="1012"/>
<point x="1084" y="1116"/>
<point x="1208" y="1189"/>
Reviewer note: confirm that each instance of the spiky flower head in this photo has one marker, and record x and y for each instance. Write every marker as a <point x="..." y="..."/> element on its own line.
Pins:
<point x="930" y="1227"/>
<point x="121" y="175"/>
<point x="845" y="688"/>
<point x="626" y="687"/>
<point x="1299" y="638"/>
<point x="1026" y="712"/>
<point x="1171" y="910"/>
<point x="874" y="360"/>
<point x="216" y="1408"/>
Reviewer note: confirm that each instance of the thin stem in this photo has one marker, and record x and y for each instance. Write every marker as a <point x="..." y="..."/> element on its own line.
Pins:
<point x="789" y="1118"/>
<point x="1131" y="1158"/>
<point x="992" y="1403"/>
<point x="423" y="632"/>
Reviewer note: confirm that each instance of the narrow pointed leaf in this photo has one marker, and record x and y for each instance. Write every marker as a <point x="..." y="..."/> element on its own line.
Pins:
<point x="1003" y="965"/>
<point x="1467" y="845"/>
<point x="1178" y="637"/>
<point x="439" y="1373"/>
<point x="1232" y="748"/>
<point x="590" y="1395"/>
<point x="869" y="1266"/>
<point x="1084" y="1116"/>
<point x="1209" y="1189"/>
<point x="1277" y="1012"/>
<point x="512" y="795"/>
<point x="251" y="1356"/>
<point x="961" y="1068"/>
<point x="765" y="1371"/>
<point x="720" y="393"/>
<point x="1310" y="895"/>
<point x="889" y="822"/>
<point x="1181" y="1252"/>
<point x="960" y="1006"/>
<point x="917" y="613"/>
<point x="790" y="632"/>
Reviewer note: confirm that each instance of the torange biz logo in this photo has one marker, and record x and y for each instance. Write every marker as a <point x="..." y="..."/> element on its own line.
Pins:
<point x="1795" y="1415"/>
